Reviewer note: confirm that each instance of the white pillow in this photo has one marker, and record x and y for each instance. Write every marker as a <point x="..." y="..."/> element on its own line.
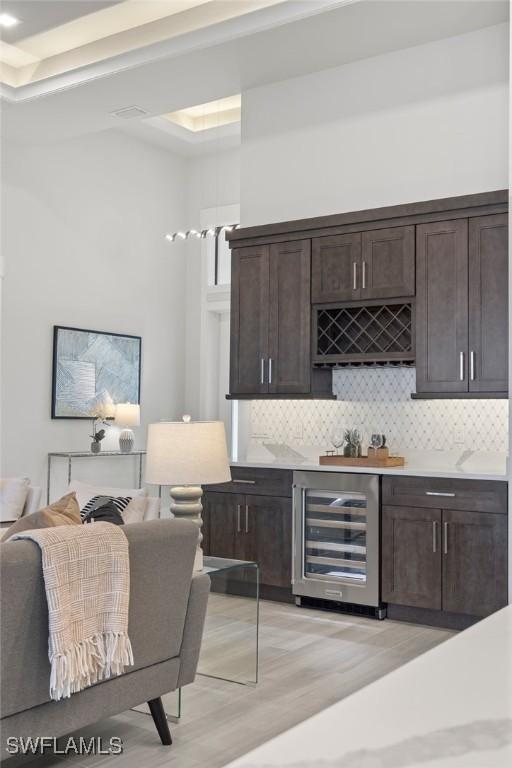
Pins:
<point x="135" y="512"/>
<point x="13" y="495"/>
<point x="142" y="508"/>
<point x="85" y="492"/>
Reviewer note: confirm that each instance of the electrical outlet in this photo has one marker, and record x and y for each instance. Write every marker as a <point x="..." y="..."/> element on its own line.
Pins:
<point x="458" y="437"/>
<point x="298" y="430"/>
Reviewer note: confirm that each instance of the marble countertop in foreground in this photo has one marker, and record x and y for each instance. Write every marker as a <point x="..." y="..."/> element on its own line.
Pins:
<point x="449" y="708"/>
<point x="472" y="465"/>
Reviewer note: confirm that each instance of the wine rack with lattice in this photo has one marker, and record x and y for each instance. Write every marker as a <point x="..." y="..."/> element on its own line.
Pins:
<point x="364" y="334"/>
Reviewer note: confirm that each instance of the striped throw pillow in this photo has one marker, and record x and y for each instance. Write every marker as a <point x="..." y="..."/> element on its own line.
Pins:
<point x="119" y="502"/>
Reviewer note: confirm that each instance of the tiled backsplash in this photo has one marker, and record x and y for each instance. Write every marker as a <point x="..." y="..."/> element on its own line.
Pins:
<point x="378" y="400"/>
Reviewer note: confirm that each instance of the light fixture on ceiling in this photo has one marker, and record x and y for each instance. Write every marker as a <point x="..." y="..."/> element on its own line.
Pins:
<point x="191" y="234"/>
<point x="7" y="21"/>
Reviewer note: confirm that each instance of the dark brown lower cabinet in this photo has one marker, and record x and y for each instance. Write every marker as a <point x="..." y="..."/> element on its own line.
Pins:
<point x="474" y="562"/>
<point x="220" y="523"/>
<point x="251" y="527"/>
<point x="269" y="533"/>
<point x="452" y="562"/>
<point x="411" y="556"/>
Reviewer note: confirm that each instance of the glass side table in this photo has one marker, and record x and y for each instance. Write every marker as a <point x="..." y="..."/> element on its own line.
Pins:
<point x="230" y="642"/>
<point x="229" y="650"/>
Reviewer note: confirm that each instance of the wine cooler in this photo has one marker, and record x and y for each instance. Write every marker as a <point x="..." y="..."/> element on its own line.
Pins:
<point x="336" y="537"/>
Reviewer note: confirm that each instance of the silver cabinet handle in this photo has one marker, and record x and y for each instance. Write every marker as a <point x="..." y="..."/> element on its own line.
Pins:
<point x="434" y="536"/>
<point x="364" y="275"/>
<point x="238" y="513"/>
<point x="354" y="275"/>
<point x="472" y="365"/>
<point x="245" y="482"/>
<point x="462" y="375"/>
<point x="445" y="547"/>
<point x="440" y="493"/>
<point x="262" y="371"/>
<point x="247" y="518"/>
<point x="270" y="370"/>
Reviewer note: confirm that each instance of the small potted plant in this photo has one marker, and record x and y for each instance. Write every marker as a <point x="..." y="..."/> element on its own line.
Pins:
<point x="353" y="443"/>
<point x="97" y="437"/>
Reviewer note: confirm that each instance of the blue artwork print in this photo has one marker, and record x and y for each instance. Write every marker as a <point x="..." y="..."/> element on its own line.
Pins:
<point x="92" y="371"/>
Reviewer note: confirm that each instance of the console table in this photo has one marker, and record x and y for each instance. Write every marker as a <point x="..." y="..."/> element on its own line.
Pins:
<point x="71" y="455"/>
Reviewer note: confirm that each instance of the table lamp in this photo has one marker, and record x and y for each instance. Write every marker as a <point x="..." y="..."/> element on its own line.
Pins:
<point x="185" y="455"/>
<point x="127" y="416"/>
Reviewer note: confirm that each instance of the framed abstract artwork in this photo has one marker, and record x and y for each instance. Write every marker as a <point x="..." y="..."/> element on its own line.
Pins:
<point x="92" y="371"/>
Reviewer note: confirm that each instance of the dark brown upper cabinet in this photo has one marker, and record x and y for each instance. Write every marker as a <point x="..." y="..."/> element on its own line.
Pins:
<point x="357" y="274"/>
<point x="461" y="306"/>
<point x="336" y="266"/>
<point x="271" y="319"/>
<point x="377" y="264"/>
<point x="250" y="295"/>
<point x="289" y="359"/>
<point x="442" y="306"/>
<point x="388" y="263"/>
<point x="488" y="303"/>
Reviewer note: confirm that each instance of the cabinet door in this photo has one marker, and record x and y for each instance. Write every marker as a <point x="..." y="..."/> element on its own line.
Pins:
<point x="411" y="556"/>
<point x="223" y="516"/>
<point x="488" y="303"/>
<point x="249" y="320"/>
<point x="336" y="268"/>
<point x="388" y="263"/>
<point x="474" y="562"/>
<point x="442" y="306"/>
<point x="289" y="364"/>
<point x="267" y="538"/>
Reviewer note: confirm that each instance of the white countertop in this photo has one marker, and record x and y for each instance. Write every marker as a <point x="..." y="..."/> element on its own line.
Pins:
<point x="472" y="465"/>
<point x="449" y="708"/>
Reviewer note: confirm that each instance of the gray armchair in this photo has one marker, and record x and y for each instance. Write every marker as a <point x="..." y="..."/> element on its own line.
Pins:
<point x="167" y="611"/>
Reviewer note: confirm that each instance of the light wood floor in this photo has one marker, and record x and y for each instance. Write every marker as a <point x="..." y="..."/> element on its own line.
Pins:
<point x="309" y="659"/>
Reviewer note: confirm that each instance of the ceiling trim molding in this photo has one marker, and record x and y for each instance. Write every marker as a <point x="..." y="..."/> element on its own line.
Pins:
<point x="222" y="32"/>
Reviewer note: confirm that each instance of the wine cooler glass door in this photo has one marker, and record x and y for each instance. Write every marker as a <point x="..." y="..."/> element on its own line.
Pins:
<point x="335" y="528"/>
<point x="336" y="536"/>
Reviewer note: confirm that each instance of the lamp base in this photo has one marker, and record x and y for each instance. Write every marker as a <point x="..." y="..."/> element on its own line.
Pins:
<point x="186" y="502"/>
<point x="126" y="440"/>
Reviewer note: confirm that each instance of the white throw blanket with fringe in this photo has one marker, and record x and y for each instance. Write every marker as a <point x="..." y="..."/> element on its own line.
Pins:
<point x="87" y="580"/>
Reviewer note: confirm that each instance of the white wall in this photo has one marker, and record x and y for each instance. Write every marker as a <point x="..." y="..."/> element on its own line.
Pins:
<point x="83" y="226"/>
<point x="416" y="124"/>
<point x="212" y="181"/>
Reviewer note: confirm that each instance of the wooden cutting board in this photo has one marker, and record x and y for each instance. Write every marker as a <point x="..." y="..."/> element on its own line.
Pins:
<point x="362" y="461"/>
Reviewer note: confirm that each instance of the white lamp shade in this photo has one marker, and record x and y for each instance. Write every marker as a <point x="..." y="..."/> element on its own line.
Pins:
<point x="181" y="453"/>
<point x="127" y="415"/>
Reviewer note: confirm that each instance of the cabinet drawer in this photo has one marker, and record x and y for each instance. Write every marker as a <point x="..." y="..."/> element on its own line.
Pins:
<point x="267" y="482"/>
<point x="445" y="493"/>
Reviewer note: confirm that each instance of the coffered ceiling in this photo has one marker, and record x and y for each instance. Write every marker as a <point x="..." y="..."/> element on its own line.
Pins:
<point x="174" y="81"/>
<point x="58" y="36"/>
<point x="37" y="16"/>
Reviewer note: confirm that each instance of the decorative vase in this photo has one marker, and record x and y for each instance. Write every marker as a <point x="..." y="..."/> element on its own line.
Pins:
<point x="126" y="440"/>
<point x="95" y="446"/>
